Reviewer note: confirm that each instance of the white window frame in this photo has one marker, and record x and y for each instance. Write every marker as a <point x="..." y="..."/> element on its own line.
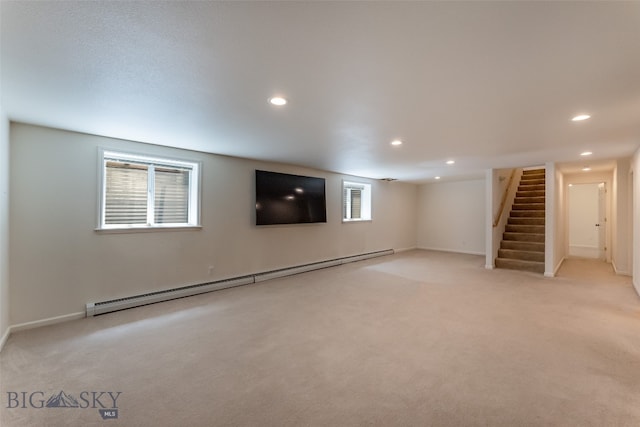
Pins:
<point x="365" y="201"/>
<point x="194" y="168"/>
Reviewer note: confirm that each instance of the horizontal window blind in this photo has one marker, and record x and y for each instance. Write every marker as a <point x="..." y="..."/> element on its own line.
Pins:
<point x="171" y="196"/>
<point x="126" y="193"/>
<point x="356" y="199"/>
<point x="352" y="201"/>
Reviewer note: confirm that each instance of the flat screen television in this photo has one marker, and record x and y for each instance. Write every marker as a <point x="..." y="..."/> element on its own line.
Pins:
<point x="289" y="199"/>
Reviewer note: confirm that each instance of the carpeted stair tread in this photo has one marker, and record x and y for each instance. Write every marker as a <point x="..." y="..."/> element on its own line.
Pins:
<point x="532" y="181"/>
<point x="519" y="228"/>
<point x="523" y="237"/>
<point x="521" y="255"/>
<point x="525" y="220"/>
<point x="516" y="264"/>
<point x="522" y="246"/>
<point x="527" y="214"/>
<point x="528" y="206"/>
<point x="531" y="187"/>
<point x="530" y="193"/>
<point x="521" y="200"/>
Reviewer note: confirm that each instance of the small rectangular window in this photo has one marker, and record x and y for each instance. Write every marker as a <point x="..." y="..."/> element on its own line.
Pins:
<point x="144" y="192"/>
<point x="356" y="201"/>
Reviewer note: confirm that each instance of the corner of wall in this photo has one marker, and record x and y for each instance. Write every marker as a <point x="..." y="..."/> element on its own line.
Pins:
<point x="4" y="228"/>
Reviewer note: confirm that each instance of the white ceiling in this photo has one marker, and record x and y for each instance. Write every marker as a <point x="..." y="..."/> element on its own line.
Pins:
<point x="489" y="84"/>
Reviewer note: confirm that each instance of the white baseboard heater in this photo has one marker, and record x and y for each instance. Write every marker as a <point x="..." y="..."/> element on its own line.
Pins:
<point x="96" y="308"/>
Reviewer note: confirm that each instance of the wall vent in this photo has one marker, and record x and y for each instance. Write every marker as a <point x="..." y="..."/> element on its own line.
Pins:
<point x="94" y="309"/>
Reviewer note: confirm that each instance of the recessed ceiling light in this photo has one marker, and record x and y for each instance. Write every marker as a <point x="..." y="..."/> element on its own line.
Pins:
<point x="450" y="162"/>
<point x="581" y="117"/>
<point x="278" y="100"/>
<point x="396" y="142"/>
<point x="586" y="153"/>
<point x="586" y="169"/>
<point x="437" y="177"/>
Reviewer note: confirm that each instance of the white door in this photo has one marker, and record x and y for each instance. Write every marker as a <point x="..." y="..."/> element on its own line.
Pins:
<point x="601" y="224"/>
<point x="587" y="227"/>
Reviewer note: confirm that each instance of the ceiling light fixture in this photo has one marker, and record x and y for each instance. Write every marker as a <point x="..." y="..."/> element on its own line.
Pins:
<point x="581" y="117"/>
<point x="450" y="162"/>
<point x="278" y="101"/>
<point x="586" y="169"/>
<point x="437" y="177"/>
<point x="396" y="142"/>
<point x="586" y="153"/>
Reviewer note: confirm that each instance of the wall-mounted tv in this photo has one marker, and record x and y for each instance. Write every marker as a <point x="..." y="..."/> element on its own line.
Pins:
<point x="289" y="199"/>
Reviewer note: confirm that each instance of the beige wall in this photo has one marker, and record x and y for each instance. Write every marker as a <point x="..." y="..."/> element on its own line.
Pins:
<point x="4" y="227"/>
<point x="59" y="263"/>
<point x="560" y="242"/>
<point x="635" y="167"/>
<point x="620" y="226"/>
<point x="451" y="216"/>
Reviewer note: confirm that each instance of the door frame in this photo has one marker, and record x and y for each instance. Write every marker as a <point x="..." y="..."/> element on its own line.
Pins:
<point x="590" y="178"/>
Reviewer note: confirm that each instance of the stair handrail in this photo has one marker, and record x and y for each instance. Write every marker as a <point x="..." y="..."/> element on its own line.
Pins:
<point x="496" y="221"/>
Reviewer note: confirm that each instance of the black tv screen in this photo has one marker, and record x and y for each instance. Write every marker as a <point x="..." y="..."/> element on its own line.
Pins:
<point x="289" y="199"/>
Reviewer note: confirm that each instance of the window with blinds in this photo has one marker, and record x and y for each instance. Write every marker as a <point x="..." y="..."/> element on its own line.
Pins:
<point x="171" y="204"/>
<point x="356" y="201"/>
<point x="140" y="192"/>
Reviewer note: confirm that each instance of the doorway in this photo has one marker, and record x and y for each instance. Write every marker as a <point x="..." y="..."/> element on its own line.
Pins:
<point x="587" y="221"/>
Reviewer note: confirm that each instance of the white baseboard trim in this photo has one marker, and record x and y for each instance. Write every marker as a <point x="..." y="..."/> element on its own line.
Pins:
<point x="619" y="272"/>
<point x="48" y="321"/>
<point x="405" y="249"/>
<point x="555" y="270"/>
<point x="455" y="251"/>
<point x="489" y="266"/>
<point x="4" y="338"/>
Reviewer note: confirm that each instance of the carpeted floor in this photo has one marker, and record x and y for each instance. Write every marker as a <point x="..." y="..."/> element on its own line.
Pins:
<point x="418" y="338"/>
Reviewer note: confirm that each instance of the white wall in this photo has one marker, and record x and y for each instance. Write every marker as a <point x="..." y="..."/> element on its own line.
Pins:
<point x="451" y="216"/>
<point x="561" y="239"/>
<point x="555" y="231"/>
<point x="621" y="224"/>
<point x="59" y="263"/>
<point x="4" y="228"/>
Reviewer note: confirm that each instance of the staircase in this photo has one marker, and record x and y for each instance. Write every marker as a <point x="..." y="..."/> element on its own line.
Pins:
<point x="522" y="246"/>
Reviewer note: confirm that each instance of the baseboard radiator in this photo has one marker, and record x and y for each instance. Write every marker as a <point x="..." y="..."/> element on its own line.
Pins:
<point x="96" y="308"/>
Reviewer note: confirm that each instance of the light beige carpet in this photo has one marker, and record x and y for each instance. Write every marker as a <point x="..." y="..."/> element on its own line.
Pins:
<point x="418" y="338"/>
